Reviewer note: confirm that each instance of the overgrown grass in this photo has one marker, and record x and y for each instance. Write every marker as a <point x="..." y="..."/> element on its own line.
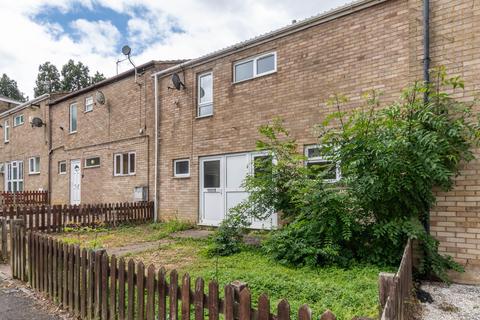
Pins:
<point x="347" y="292"/>
<point x="123" y="235"/>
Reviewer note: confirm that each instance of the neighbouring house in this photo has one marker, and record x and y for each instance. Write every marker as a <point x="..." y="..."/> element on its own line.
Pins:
<point x="24" y="146"/>
<point x="7" y="103"/>
<point x="102" y="148"/>
<point x="207" y="129"/>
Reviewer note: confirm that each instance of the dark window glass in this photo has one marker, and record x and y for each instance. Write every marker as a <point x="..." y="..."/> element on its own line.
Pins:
<point x="181" y="167"/>
<point x="313" y="152"/>
<point x="211" y="174"/>
<point x="132" y="163"/>
<point x="92" y="162"/>
<point x="244" y="71"/>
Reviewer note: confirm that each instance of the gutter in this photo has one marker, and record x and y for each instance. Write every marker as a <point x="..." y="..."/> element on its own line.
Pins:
<point x="279" y="33"/>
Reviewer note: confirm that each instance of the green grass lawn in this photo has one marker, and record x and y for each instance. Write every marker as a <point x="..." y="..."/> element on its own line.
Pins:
<point x="347" y="292"/>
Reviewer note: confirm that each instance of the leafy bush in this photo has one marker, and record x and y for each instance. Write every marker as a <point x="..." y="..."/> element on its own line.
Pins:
<point x="391" y="159"/>
<point x="228" y="238"/>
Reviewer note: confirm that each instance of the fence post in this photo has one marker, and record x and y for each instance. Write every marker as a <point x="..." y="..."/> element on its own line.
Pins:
<point x="4" y="240"/>
<point x="385" y="285"/>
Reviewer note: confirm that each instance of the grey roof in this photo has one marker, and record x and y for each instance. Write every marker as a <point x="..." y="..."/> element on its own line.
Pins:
<point x="292" y="28"/>
<point x="9" y="100"/>
<point x="24" y="105"/>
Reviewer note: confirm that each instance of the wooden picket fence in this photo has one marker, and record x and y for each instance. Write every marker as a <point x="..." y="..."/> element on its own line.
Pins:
<point x="396" y="290"/>
<point x="56" y="218"/>
<point x="92" y="285"/>
<point x="23" y="198"/>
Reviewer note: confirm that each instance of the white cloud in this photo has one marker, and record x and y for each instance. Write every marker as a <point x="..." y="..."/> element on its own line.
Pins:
<point x="98" y="37"/>
<point x="208" y="25"/>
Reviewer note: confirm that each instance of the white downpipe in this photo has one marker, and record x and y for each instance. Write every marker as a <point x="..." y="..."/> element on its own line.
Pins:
<point x="155" y="203"/>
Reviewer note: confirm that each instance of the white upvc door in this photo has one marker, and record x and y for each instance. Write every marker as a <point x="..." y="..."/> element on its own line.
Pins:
<point x="221" y="188"/>
<point x="14" y="176"/>
<point x="212" y="209"/>
<point x="75" y="182"/>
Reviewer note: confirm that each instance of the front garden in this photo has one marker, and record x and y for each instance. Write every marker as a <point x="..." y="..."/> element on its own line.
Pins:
<point x="348" y="292"/>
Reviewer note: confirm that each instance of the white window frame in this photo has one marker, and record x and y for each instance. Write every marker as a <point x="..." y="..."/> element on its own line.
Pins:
<point x="89" y="106"/>
<point x="20" y="116"/>
<point x="60" y="166"/>
<point x="6" y="131"/>
<point x="94" y="166"/>
<point x="71" y="118"/>
<point x="9" y="166"/>
<point x="32" y="169"/>
<point x="254" y="60"/>
<point x="122" y="174"/>
<point x="310" y="160"/>
<point x="181" y="175"/>
<point x="204" y="104"/>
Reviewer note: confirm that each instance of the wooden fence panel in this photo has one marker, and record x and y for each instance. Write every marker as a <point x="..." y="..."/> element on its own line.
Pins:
<point x="93" y="286"/>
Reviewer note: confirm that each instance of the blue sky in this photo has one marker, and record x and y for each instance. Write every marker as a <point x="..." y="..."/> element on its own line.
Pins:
<point x="93" y="31"/>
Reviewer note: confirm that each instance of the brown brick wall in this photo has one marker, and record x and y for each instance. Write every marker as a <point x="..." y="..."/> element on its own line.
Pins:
<point x="25" y="142"/>
<point x="377" y="48"/>
<point x="365" y="50"/>
<point x="124" y="124"/>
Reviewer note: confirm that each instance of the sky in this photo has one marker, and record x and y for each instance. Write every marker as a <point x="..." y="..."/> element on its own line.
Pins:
<point x="94" y="31"/>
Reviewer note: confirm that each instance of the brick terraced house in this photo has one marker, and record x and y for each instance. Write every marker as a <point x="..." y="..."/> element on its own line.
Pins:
<point x="207" y="129"/>
<point x="102" y="147"/>
<point x="24" y="147"/>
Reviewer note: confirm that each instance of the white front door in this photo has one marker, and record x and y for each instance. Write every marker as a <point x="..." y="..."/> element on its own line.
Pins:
<point x="221" y="188"/>
<point x="75" y="181"/>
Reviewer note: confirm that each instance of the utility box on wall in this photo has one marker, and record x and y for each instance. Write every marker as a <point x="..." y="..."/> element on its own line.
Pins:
<point x="140" y="193"/>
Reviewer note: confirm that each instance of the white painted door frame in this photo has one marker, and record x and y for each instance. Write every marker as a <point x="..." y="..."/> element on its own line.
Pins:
<point x="222" y="193"/>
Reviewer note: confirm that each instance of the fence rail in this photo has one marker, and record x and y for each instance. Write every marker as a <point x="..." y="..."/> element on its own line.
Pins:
<point x="24" y="198"/>
<point x="55" y="218"/>
<point x="395" y="290"/>
<point x="92" y="285"/>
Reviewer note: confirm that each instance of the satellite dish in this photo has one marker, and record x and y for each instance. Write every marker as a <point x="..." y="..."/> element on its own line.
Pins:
<point x="126" y="50"/>
<point x="100" y="97"/>
<point x="177" y="83"/>
<point x="37" y="122"/>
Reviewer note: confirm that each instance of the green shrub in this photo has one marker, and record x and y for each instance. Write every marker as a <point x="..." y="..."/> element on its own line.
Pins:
<point x="391" y="159"/>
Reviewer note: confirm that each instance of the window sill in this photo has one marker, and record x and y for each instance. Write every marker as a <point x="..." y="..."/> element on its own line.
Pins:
<point x="91" y="167"/>
<point x="124" y="175"/>
<point x="62" y="173"/>
<point x="203" y="117"/>
<point x="73" y="132"/>
<point x="88" y="111"/>
<point x="181" y="177"/>
<point x="33" y="173"/>
<point x="254" y="78"/>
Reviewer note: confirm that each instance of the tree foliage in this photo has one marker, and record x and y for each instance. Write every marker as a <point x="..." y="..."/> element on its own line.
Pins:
<point x="48" y="79"/>
<point x="97" y="77"/>
<point x="75" y="76"/>
<point x="391" y="160"/>
<point x="9" y="88"/>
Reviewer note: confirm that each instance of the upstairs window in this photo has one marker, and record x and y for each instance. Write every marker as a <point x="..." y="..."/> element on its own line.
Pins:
<point x="34" y="165"/>
<point x="255" y="67"/>
<point x="73" y="117"/>
<point x="18" y="120"/>
<point x="88" y="104"/>
<point x="328" y="169"/>
<point x="205" y="94"/>
<point x="6" y="131"/>
<point x="124" y="164"/>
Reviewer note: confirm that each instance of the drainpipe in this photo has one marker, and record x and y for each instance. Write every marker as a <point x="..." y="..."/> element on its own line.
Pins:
<point x="155" y="183"/>
<point x="426" y="45"/>
<point x="426" y="74"/>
